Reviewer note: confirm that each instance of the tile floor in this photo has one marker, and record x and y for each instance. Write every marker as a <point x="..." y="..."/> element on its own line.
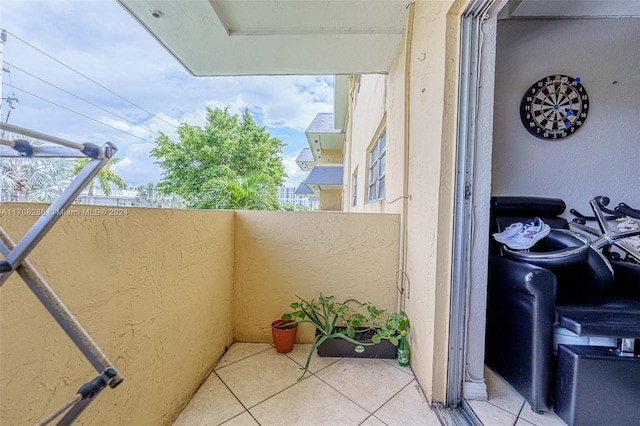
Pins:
<point x="506" y="407"/>
<point x="255" y="385"/>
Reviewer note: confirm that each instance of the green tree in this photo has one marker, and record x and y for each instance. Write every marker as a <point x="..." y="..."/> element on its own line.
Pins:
<point x="294" y="207"/>
<point x="105" y="178"/>
<point x="250" y="193"/>
<point x="150" y="196"/>
<point x="227" y="148"/>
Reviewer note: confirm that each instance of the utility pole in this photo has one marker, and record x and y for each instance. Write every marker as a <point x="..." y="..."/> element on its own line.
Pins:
<point x="3" y="38"/>
<point x="11" y="98"/>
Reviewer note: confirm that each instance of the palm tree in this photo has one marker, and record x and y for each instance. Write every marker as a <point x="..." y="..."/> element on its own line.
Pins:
<point x="254" y="192"/>
<point x="33" y="179"/>
<point x="150" y="196"/>
<point x="105" y="178"/>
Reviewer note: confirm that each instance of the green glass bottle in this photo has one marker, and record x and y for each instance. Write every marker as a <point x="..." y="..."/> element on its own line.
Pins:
<point x="403" y="350"/>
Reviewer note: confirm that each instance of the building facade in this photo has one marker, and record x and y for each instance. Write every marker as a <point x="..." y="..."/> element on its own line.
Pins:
<point x="288" y="196"/>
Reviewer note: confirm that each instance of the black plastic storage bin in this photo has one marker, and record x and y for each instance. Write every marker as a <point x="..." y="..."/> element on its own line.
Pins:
<point x="595" y="386"/>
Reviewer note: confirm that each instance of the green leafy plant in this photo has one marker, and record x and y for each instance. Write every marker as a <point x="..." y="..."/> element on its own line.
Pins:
<point x="356" y="317"/>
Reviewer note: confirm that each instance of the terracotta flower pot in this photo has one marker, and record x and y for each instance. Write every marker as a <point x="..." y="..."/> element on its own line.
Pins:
<point x="283" y="335"/>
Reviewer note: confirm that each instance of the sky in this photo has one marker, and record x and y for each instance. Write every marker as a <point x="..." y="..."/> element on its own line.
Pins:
<point x="86" y="71"/>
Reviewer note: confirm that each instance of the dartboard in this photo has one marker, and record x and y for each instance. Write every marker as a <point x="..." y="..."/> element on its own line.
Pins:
<point x="554" y="107"/>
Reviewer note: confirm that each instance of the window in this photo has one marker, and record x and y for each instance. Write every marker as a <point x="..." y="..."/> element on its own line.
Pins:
<point x="377" y="168"/>
<point x="354" y="182"/>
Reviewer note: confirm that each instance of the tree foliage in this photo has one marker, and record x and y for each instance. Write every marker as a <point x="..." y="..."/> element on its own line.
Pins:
<point x="250" y="193"/>
<point x="149" y="196"/>
<point x="33" y="179"/>
<point x="105" y="177"/>
<point x="229" y="147"/>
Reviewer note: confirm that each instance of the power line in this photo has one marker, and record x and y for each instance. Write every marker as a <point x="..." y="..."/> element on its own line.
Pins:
<point x="78" y="113"/>
<point x="82" y="99"/>
<point x="93" y="81"/>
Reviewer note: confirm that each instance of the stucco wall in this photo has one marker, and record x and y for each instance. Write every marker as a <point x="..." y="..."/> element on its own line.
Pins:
<point x="431" y="150"/>
<point x="602" y="157"/>
<point x="153" y="288"/>
<point x="164" y="292"/>
<point x="431" y="180"/>
<point x="283" y="254"/>
<point x="331" y="156"/>
<point x="368" y="120"/>
<point x="330" y="200"/>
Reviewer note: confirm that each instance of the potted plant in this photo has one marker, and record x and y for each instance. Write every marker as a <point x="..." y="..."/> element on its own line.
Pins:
<point x="349" y="328"/>
<point x="284" y="335"/>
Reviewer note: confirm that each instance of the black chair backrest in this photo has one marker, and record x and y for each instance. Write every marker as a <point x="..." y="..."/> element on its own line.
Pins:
<point x="508" y="210"/>
<point x="575" y="282"/>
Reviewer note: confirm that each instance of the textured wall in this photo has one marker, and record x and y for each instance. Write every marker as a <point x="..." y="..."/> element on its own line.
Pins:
<point x="381" y="102"/>
<point x="431" y="183"/>
<point x="162" y="292"/>
<point x="331" y="200"/>
<point x="153" y="288"/>
<point x="283" y="254"/>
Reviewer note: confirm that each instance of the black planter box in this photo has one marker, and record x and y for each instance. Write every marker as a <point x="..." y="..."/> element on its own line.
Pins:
<point x="342" y="348"/>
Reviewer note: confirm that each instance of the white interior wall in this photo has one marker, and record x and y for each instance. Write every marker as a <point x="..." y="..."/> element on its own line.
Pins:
<point x="603" y="156"/>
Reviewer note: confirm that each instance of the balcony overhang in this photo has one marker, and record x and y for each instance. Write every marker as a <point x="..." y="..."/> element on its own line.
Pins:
<point x="322" y="135"/>
<point x="302" y="189"/>
<point x="305" y="160"/>
<point x="269" y="37"/>
<point x="324" y="177"/>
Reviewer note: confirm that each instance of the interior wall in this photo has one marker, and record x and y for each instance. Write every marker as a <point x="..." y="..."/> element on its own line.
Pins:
<point x="281" y="255"/>
<point x="153" y="288"/>
<point x="602" y="157"/>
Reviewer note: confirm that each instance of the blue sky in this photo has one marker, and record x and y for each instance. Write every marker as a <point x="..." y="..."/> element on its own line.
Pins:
<point x="51" y="43"/>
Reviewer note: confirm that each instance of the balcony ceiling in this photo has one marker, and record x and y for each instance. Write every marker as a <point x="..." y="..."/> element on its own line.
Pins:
<point x="571" y="8"/>
<point x="266" y="37"/>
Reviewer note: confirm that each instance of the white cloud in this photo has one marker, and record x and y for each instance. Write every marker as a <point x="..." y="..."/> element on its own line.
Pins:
<point x="137" y="167"/>
<point x="294" y="174"/>
<point x="100" y="40"/>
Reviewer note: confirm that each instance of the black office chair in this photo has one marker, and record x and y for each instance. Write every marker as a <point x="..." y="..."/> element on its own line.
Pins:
<point x="563" y="281"/>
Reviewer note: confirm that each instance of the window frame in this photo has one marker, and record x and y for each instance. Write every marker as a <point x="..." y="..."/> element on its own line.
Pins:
<point x="354" y="189"/>
<point x="376" y="168"/>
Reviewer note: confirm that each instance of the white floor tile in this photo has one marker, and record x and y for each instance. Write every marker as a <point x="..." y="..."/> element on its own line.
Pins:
<point x="409" y="407"/>
<point x="212" y="404"/>
<point x="239" y="351"/>
<point x="368" y="382"/>
<point x="300" y="353"/>
<point x="547" y="419"/>
<point x="373" y="421"/>
<point x="309" y="402"/>
<point x="491" y="415"/>
<point x="267" y="383"/>
<point x="243" y="419"/>
<point x="254" y="379"/>
<point x="501" y="394"/>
